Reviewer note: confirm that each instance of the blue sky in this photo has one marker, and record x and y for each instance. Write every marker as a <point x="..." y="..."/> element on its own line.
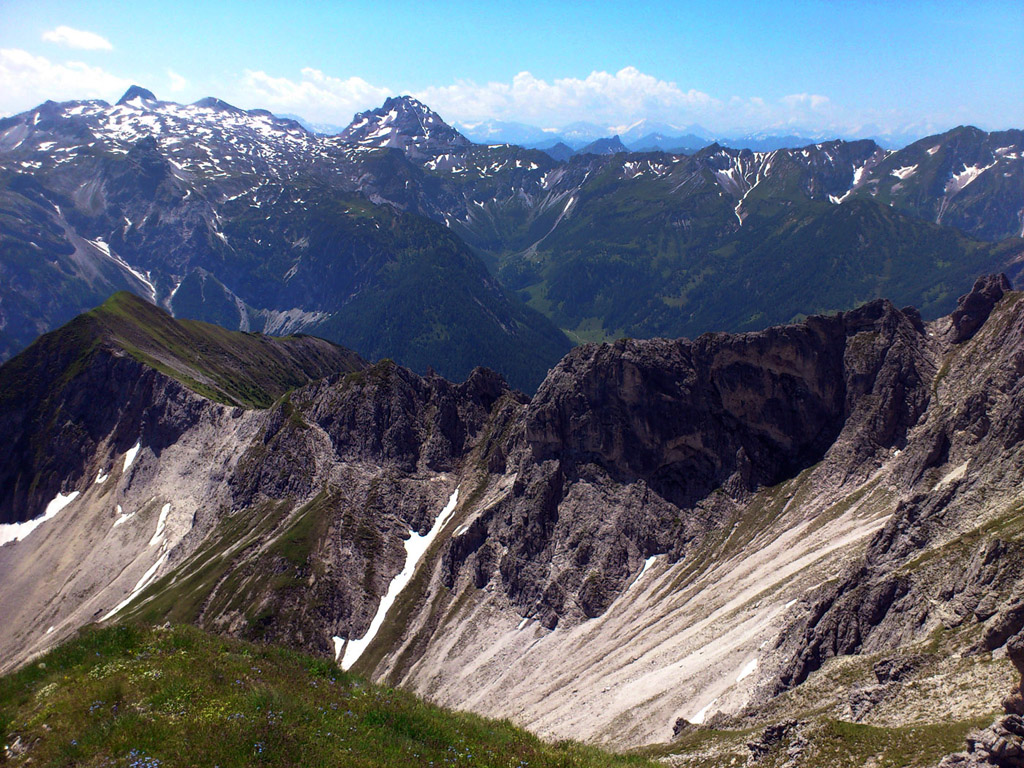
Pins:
<point x="823" y="66"/>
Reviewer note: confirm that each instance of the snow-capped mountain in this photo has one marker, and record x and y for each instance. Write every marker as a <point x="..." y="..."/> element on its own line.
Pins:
<point x="406" y="124"/>
<point x="244" y="219"/>
<point x="237" y="216"/>
<point x="503" y="132"/>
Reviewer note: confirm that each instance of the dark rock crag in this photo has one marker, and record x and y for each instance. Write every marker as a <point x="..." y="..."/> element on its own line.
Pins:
<point x="665" y="423"/>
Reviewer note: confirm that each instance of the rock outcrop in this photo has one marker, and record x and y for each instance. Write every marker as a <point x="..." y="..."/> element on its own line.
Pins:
<point x="973" y="428"/>
<point x="672" y="421"/>
<point x="973" y="308"/>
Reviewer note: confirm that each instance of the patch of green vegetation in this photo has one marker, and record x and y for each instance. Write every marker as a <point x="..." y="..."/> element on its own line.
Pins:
<point x="664" y="257"/>
<point x="876" y="498"/>
<point x="247" y="369"/>
<point x="182" y="594"/>
<point x="307" y="529"/>
<point x="767" y="507"/>
<point x="391" y="284"/>
<point x="706" y="747"/>
<point x="591" y="330"/>
<point x="838" y="743"/>
<point x="1007" y="526"/>
<point x="943" y="370"/>
<point x="128" y="695"/>
<point x="826" y="742"/>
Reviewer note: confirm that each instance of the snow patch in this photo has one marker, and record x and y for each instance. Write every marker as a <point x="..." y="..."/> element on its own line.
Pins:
<point x="103" y="248"/>
<point x="101" y="478"/>
<point x="858" y="175"/>
<point x="122" y="517"/>
<point x="698" y="719"/>
<point x="160" y="525"/>
<point x="142" y="583"/>
<point x="415" y="547"/>
<point x="18" y="531"/>
<point x="748" y="669"/>
<point x="647" y="564"/>
<point x="965" y="177"/>
<point x="905" y="172"/>
<point x="129" y="458"/>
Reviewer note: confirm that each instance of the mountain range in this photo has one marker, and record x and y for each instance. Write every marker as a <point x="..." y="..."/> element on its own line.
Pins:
<point x="399" y="235"/>
<point x="247" y="220"/>
<point x="802" y="541"/>
<point x="716" y="455"/>
<point x="650" y="135"/>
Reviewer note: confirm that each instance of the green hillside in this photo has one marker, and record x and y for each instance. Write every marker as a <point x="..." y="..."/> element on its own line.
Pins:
<point x="249" y="370"/>
<point x="149" y="697"/>
<point x="635" y="261"/>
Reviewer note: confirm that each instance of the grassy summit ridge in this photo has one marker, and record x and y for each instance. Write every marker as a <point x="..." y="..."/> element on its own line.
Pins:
<point x="248" y="370"/>
<point x="245" y="369"/>
<point x="134" y="696"/>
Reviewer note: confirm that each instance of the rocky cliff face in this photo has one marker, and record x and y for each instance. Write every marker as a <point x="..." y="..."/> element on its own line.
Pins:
<point x="974" y="428"/>
<point x="682" y="420"/>
<point x="668" y="531"/>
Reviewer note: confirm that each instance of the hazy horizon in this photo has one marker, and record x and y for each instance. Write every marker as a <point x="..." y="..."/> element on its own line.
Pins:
<point x="859" y="69"/>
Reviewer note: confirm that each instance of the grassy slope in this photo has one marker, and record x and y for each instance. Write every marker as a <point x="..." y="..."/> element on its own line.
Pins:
<point x="251" y="370"/>
<point x="149" y="697"/>
<point x="230" y="367"/>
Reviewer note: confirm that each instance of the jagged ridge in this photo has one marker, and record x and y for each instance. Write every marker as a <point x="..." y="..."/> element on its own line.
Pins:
<point x="696" y="525"/>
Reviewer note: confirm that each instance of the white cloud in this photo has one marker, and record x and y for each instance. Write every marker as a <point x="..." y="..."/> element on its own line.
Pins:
<point x="77" y="38"/>
<point x="628" y="94"/>
<point x="601" y="96"/>
<point x="178" y="83"/>
<point x="608" y="99"/>
<point x="315" y="96"/>
<point x="27" y="80"/>
<point x="805" y="100"/>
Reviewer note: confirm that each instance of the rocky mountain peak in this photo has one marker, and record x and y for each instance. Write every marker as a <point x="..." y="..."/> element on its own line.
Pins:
<point x="407" y="124"/>
<point x="612" y="146"/>
<point x="973" y="308"/>
<point x="408" y="104"/>
<point x="219" y="105"/>
<point x="136" y="92"/>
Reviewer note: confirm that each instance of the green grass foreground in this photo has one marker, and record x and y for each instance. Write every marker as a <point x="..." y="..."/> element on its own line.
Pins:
<point x="146" y="697"/>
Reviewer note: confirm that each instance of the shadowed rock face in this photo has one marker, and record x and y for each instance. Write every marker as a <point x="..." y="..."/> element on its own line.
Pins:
<point x="671" y="421"/>
<point x="1014" y="703"/>
<point x="688" y="416"/>
<point x="115" y="400"/>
